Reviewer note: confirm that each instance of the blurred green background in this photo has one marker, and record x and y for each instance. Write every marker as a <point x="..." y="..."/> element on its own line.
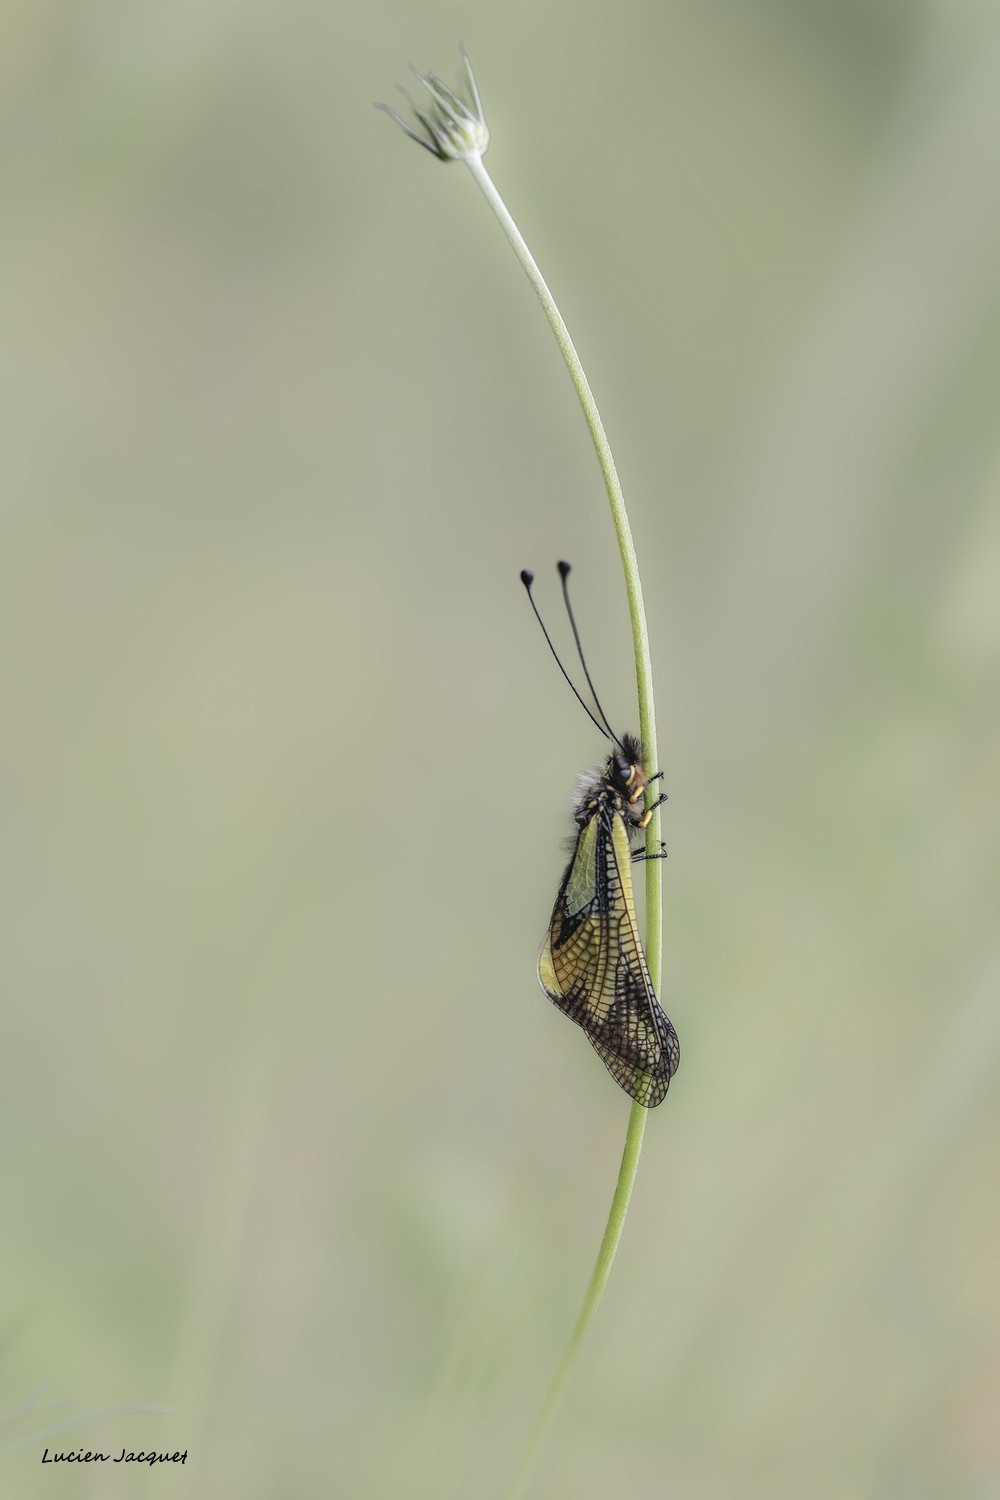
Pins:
<point x="292" y="1142"/>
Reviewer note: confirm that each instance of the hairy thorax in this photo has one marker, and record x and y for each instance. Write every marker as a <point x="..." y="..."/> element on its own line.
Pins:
<point x="615" y="787"/>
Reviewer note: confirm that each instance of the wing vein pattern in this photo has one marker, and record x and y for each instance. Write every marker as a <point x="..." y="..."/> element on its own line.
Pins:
<point x="594" y="969"/>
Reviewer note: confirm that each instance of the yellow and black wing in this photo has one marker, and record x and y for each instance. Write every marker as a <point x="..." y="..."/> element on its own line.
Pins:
<point x="593" y="967"/>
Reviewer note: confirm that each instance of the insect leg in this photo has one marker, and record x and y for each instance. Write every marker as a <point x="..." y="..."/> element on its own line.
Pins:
<point x="640" y="854"/>
<point x="643" y="822"/>
<point x="640" y="790"/>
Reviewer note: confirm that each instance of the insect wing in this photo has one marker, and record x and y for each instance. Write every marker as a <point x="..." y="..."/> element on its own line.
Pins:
<point x="593" y="967"/>
<point x="577" y="959"/>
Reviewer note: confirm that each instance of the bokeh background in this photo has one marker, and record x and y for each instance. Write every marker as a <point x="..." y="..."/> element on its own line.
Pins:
<point x="292" y="1144"/>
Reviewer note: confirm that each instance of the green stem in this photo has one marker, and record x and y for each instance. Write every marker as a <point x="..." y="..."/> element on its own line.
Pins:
<point x="647" y="729"/>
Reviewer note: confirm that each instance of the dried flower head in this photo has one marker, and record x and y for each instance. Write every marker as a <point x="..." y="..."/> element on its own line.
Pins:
<point x="453" y="128"/>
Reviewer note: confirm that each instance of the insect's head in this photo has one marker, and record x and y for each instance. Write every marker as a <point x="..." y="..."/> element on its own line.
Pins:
<point x="625" y="767"/>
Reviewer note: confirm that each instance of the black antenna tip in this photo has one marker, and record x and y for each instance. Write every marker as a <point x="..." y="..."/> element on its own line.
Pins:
<point x="527" y="577"/>
<point x="564" y="569"/>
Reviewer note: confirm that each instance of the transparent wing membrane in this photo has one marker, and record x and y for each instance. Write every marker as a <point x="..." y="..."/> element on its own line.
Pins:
<point x="593" y="967"/>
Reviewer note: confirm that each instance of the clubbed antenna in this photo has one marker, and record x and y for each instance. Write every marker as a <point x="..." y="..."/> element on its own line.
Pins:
<point x="528" y="578"/>
<point x="564" y="572"/>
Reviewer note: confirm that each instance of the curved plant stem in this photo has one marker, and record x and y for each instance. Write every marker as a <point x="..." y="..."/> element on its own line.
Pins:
<point x="647" y="729"/>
